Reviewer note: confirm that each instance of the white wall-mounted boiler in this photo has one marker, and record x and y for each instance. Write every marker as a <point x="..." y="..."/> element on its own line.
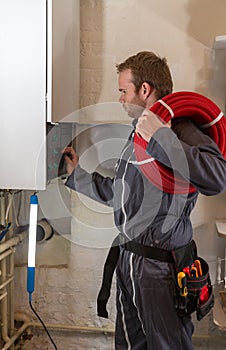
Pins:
<point x="39" y="82"/>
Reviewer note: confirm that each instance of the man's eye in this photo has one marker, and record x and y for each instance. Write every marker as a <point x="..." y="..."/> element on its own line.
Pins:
<point x="123" y="91"/>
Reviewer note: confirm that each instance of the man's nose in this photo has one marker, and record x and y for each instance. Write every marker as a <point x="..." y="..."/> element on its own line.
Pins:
<point x="121" y="99"/>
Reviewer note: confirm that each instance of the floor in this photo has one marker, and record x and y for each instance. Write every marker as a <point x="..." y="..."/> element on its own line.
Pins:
<point x="207" y="335"/>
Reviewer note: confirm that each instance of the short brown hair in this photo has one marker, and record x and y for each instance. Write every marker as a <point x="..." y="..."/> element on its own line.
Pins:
<point x="148" y="67"/>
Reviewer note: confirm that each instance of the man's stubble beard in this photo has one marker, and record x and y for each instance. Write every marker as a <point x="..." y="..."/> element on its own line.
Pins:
<point x="134" y="110"/>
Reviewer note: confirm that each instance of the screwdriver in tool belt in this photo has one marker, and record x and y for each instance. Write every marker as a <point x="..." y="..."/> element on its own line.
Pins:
<point x="194" y="271"/>
<point x="187" y="271"/>
<point x="182" y="282"/>
<point x="197" y="264"/>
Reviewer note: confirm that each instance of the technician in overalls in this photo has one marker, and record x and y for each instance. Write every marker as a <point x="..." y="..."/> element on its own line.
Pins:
<point x="147" y="317"/>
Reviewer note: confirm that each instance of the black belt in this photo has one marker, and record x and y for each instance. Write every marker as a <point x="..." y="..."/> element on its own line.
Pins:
<point x="149" y="252"/>
<point x="111" y="262"/>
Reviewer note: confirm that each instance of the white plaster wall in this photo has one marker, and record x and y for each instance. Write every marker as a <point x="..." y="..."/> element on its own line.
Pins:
<point x="111" y="30"/>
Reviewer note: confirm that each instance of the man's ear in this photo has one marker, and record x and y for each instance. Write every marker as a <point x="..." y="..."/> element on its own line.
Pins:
<point x="146" y="90"/>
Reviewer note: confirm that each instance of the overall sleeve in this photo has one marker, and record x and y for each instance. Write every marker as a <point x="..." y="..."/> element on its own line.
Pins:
<point x="94" y="185"/>
<point x="192" y="154"/>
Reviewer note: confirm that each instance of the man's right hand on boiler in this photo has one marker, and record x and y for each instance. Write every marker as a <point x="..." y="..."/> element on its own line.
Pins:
<point x="71" y="159"/>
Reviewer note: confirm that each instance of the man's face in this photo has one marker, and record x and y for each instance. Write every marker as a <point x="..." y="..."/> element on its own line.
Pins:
<point x="132" y="102"/>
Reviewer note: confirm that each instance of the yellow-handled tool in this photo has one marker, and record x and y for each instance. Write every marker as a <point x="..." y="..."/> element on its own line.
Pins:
<point x="182" y="283"/>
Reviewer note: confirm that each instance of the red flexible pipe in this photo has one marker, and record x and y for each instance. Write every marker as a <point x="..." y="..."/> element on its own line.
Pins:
<point x="202" y="112"/>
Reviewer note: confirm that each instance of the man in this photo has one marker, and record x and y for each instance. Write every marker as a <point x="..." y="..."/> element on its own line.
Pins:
<point x="147" y="316"/>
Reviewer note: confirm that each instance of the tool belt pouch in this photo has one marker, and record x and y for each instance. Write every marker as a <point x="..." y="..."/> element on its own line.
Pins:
<point x="199" y="296"/>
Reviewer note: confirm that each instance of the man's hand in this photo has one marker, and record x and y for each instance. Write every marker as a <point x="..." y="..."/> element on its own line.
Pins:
<point x="148" y="123"/>
<point x="71" y="159"/>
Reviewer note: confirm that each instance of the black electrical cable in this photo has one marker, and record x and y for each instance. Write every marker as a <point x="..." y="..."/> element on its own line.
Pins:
<point x="44" y="326"/>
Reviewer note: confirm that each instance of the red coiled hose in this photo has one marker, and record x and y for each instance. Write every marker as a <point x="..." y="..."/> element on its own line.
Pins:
<point x="202" y="112"/>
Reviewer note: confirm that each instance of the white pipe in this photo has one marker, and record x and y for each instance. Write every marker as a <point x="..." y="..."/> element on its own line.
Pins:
<point x="4" y="301"/>
<point x="7" y="302"/>
<point x="10" y="266"/>
<point x="85" y="329"/>
<point x="8" y="210"/>
<point x="7" y="274"/>
<point x="3" y="295"/>
<point x="11" y="296"/>
<point x="23" y="317"/>
<point x="19" y="316"/>
<point x="219" y="279"/>
<point x="2" y="207"/>
<point x="6" y="253"/>
<point x="11" y="341"/>
<point x="4" y="282"/>
<point x="10" y="204"/>
<point x="7" y="281"/>
<point x="11" y="261"/>
<point x="12" y="241"/>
